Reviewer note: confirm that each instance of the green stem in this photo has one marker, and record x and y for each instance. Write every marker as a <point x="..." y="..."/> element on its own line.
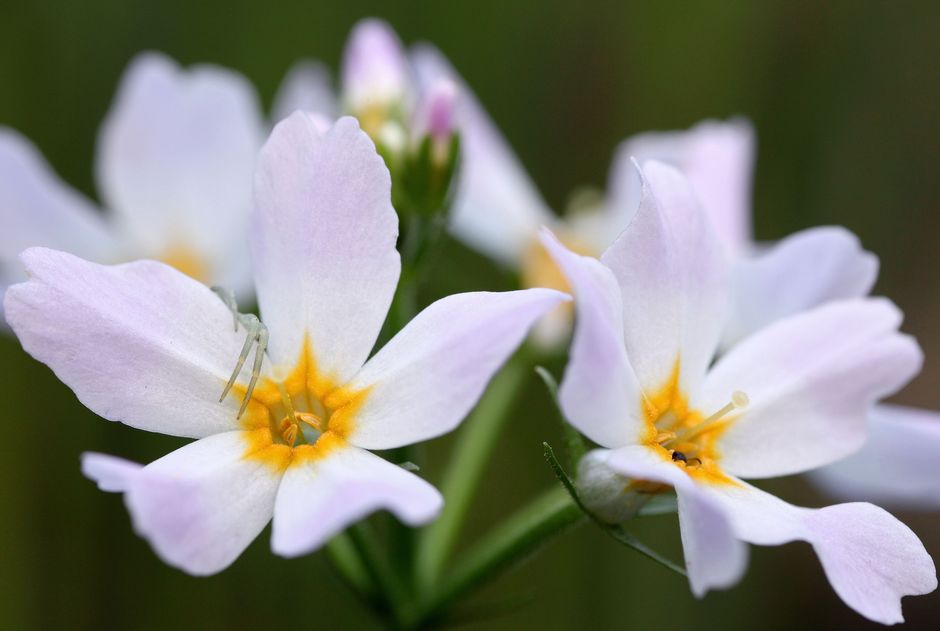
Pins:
<point x="345" y="559"/>
<point x="381" y="571"/>
<point x="509" y="544"/>
<point x="475" y="442"/>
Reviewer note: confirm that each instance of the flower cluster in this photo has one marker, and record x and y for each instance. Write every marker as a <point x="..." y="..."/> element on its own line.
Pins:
<point x="697" y="358"/>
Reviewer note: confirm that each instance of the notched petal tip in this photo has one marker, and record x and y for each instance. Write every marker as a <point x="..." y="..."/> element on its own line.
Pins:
<point x="111" y="474"/>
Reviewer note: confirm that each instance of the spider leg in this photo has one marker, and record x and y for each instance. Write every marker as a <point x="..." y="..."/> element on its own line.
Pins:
<point x="227" y="296"/>
<point x="246" y="349"/>
<point x="260" y="333"/>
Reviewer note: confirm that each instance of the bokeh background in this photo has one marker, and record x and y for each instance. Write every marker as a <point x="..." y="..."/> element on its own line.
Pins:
<point x="844" y="96"/>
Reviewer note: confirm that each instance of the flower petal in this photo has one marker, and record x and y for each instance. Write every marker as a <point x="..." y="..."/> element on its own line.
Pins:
<point x="375" y="68"/>
<point x="871" y="559"/>
<point x="306" y="86"/>
<point x="139" y="343"/>
<point x="38" y="209"/>
<point x="717" y="157"/>
<point x="176" y="156"/>
<point x="811" y="379"/>
<point x="800" y="272"/>
<point x="897" y="467"/>
<point x="673" y="282"/>
<point x="199" y="506"/>
<point x="319" y="498"/>
<point x="714" y="556"/>
<point x="497" y="208"/>
<point x="600" y="394"/>
<point x="323" y="243"/>
<point x="111" y="474"/>
<point x="429" y="376"/>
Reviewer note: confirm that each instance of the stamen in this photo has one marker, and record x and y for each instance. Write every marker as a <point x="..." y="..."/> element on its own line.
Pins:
<point x="289" y="432"/>
<point x="286" y="400"/>
<point x="738" y="400"/>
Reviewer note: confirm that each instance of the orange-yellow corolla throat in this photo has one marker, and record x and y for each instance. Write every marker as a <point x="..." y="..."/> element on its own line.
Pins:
<point x="538" y="268"/>
<point x="188" y="261"/>
<point x="686" y="437"/>
<point x="297" y="416"/>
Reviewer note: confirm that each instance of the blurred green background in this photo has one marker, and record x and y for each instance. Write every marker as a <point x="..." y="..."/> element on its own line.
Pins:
<point x="845" y="100"/>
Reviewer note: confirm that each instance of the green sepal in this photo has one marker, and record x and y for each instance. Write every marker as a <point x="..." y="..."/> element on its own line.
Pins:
<point x="614" y="531"/>
<point x="575" y="445"/>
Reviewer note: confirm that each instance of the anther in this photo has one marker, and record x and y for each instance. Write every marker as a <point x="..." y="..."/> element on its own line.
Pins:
<point x="310" y="419"/>
<point x="663" y="437"/>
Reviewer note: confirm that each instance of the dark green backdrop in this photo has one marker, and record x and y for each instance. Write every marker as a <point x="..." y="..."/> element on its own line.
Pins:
<point x="845" y="100"/>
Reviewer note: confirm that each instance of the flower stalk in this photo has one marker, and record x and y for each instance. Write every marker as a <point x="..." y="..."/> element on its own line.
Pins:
<point x="475" y="443"/>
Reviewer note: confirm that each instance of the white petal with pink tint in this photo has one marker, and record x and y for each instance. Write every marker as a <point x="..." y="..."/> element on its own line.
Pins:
<point x="176" y="155"/>
<point x="802" y="271"/>
<point x="599" y="394"/>
<point x="306" y="86"/>
<point x="375" y="68"/>
<point x="323" y="243"/>
<point x="811" y="380"/>
<point x="673" y="282"/>
<point x="318" y="499"/>
<point x="199" y="506"/>
<point x="111" y="474"/>
<point x="428" y="377"/>
<point x="871" y="559"/>
<point x="897" y="466"/>
<point x="718" y="159"/>
<point x="497" y="209"/>
<point x="139" y="343"/>
<point x="38" y="209"/>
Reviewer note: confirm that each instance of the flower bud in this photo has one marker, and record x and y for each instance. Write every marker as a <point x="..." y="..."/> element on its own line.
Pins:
<point x="436" y="115"/>
<point x="375" y="73"/>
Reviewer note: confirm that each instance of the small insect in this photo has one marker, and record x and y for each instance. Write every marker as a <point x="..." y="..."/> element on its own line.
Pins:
<point x="678" y="456"/>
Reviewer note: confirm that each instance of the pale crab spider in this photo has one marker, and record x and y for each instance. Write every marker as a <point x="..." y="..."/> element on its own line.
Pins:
<point x="257" y="334"/>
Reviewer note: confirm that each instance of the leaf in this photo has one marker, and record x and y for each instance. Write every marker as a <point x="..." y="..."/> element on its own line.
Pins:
<point x="616" y="532"/>
<point x="575" y="444"/>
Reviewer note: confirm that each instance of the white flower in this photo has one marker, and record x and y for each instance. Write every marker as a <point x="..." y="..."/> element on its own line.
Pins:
<point x="792" y="397"/>
<point x="807" y="269"/>
<point x="173" y="166"/>
<point x="142" y="344"/>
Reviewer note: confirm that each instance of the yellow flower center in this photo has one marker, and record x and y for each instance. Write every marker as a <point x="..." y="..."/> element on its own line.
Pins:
<point x="298" y="416"/>
<point x="188" y="261"/>
<point x="538" y="268"/>
<point x="686" y="437"/>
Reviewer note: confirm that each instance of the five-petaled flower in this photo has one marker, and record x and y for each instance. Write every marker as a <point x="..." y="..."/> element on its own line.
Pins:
<point x="802" y="271"/>
<point x="791" y="397"/>
<point x="174" y="163"/>
<point x="145" y="345"/>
